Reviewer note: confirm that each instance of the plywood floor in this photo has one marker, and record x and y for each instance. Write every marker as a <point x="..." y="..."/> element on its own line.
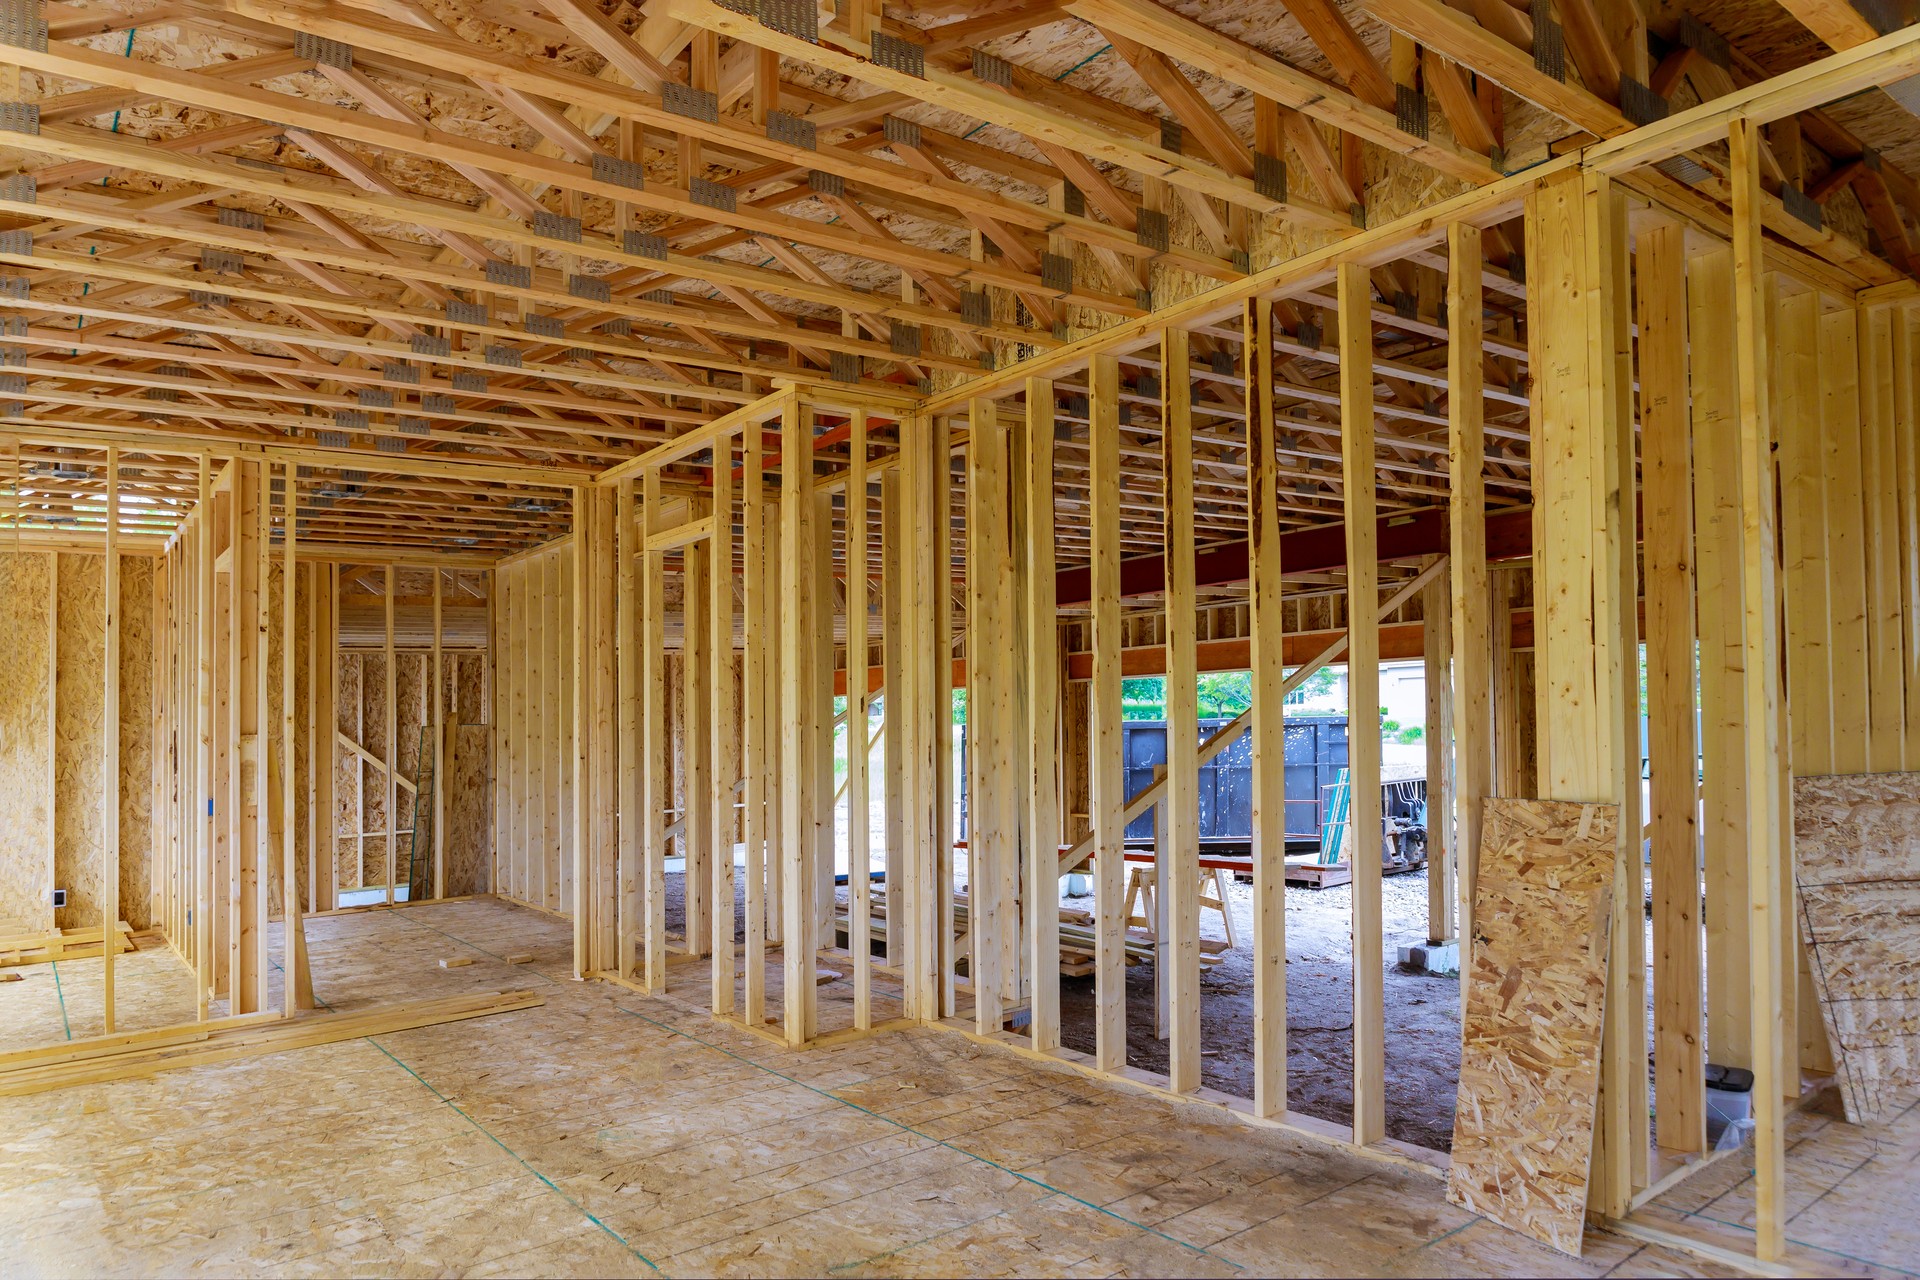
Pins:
<point x="63" y="1000"/>
<point x="608" y="1133"/>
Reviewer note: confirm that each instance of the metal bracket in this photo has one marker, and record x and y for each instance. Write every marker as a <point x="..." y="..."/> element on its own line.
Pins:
<point x="793" y="131"/>
<point x="1802" y="206"/>
<point x="989" y="69"/>
<point x="242" y="219"/>
<point x="350" y="419"/>
<point x="20" y="117"/>
<point x="797" y="18"/>
<point x="503" y="356"/>
<point x="1410" y="110"/>
<point x="222" y="262"/>
<point x="1270" y="176"/>
<point x="509" y="275"/>
<point x="1549" y="42"/>
<point x="903" y="132"/>
<point x="425" y="344"/>
<point x="643" y="244"/>
<point x="1153" y="231"/>
<point x="714" y="195"/>
<point x="904" y="56"/>
<point x="23" y="24"/>
<point x="1056" y="272"/>
<point x="1640" y="104"/>
<point x="459" y="312"/>
<point x="374" y="398"/>
<point x="905" y="339"/>
<point x="695" y="104"/>
<point x="432" y="403"/>
<point x="1705" y="41"/>
<point x="820" y="182"/>
<point x="328" y="53"/>
<point x="556" y="226"/>
<point x="590" y="288"/>
<point x="843" y="366"/>
<point x="620" y="173"/>
<point x="20" y="188"/>
<point x="1172" y="136"/>
<point x="549" y="327"/>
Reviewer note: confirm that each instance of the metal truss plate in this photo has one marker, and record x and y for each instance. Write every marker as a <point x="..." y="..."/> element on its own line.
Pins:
<point x="556" y="226"/>
<point x="509" y="275"/>
<point x="695" y="104"/>
<point x="714" y="195"/>
<point x="643" y="244"/>
<point x="905" y="56"/>
<point x="618" y="172"/>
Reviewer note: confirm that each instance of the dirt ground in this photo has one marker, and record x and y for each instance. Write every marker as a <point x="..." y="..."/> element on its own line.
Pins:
<point x="1422" y="1012"/>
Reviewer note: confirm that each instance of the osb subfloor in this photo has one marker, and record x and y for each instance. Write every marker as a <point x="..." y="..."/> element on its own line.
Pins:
<point x="64" y="999"/>
<point x="608" y="1133"/>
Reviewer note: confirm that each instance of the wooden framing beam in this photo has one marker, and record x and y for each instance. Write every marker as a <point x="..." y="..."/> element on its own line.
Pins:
<point x="1363" y="836"/>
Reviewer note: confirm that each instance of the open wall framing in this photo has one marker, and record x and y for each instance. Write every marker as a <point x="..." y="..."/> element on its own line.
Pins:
<point x="1517" y="423"/>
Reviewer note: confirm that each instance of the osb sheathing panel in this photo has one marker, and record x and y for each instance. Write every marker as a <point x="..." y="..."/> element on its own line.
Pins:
<point x="373" y="736"/>
<point x="80" y="777"/>
<point x="136" y="739"/>
<point x="412" y="670"/>
<point x="1530" y="1066"/>
<point x="24" y="744"/>
<point x="1857" y="862"/>
<point x="469" y="841"/>
<point x="347" y="772"/>
<point x="78" y="853"/>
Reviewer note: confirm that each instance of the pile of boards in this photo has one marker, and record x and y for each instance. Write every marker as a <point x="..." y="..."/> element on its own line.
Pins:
<point x="22" y="946"/>
<point x="1077" y="945"/>
<point x="134" y="1054"/>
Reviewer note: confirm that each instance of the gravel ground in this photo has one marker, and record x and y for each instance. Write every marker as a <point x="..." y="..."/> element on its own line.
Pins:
<point x="1422" y="1012"/>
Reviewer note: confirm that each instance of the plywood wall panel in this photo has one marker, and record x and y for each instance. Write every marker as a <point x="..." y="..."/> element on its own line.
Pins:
<point x="24" y="744"/>
<point x="1857" y="864"/>
<point x="137" y="828"/>
<point x="1530" y="1066"/>
<point x="469" y="841"/>
<point x="78" y="852"/>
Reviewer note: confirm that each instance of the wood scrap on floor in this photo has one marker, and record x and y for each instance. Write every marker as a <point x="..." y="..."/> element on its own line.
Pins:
<point x="62" y="944"/>
<point x="1857" y="865"/>
<point x="1530" y="1065"/>
<point x="126" y="1057"/>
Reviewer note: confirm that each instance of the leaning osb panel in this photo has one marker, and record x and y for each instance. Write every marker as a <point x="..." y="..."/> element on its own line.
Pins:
<point x="1530" y="1066"/>
<point x="1856" y="846"/>
<point x="136" y="740"/>
<point x="469" y="840"/>
<point x="24" y="669"/>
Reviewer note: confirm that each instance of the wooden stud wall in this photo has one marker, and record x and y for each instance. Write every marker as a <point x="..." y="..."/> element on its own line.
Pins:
<point x="533" y="692"/>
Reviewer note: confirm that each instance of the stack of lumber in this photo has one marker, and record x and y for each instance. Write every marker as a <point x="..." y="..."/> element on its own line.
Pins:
<point x="60" y="944"/>
<point x="1077" y="945"/>
<point x="132" y="1055"/>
